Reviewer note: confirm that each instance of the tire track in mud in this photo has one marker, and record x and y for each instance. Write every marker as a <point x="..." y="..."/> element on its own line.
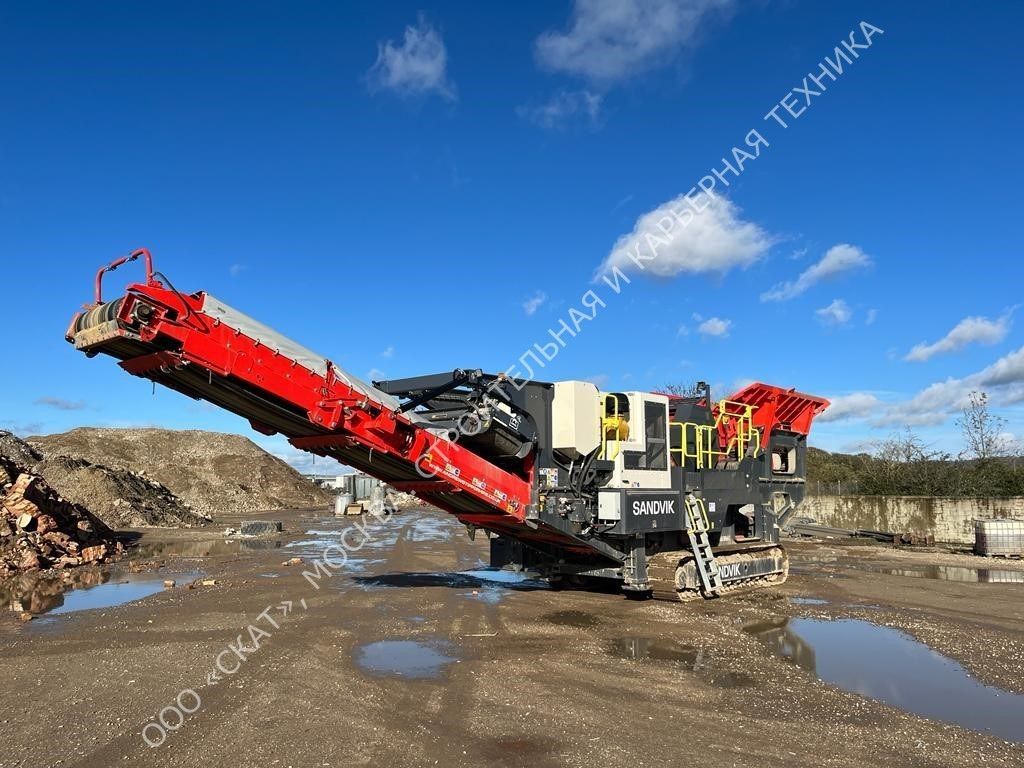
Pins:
<point x="458" y="615"/>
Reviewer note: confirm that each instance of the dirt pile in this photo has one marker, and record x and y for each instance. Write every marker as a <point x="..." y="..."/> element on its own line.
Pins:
<point x="17" y="451"/>
<point x="214" y="473"/>
<point x="39" y="529"/>
<point x="119" y="497"/>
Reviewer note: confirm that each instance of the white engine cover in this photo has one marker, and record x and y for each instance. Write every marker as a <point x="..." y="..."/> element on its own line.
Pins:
<point x="575" y="418"/>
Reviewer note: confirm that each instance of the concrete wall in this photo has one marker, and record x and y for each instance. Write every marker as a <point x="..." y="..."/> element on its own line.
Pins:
<point x="948" y="520"/>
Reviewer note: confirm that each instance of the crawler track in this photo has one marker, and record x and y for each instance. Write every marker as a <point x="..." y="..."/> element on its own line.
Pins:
<point x="673" y="574"/>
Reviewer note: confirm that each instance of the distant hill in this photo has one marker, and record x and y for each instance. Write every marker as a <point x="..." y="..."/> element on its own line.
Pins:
<point x="213" y="472"/>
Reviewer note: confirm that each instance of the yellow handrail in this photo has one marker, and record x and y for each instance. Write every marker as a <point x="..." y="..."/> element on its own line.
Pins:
<point x="681" y="450"/>
<point x="746" y="432"/>
<point x="610" y="422"/>
<point x="703" y="435"/>
<point x="702" y="442"/>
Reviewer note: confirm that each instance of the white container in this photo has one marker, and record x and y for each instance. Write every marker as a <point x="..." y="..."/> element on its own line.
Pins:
<point x="341" y="502"/>
<point x="999" y="537"/>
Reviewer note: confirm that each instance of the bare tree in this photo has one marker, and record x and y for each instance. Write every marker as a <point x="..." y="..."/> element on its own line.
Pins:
<point x="906" y="465"/>
<point x="984" y="433"/>
<point x="684" y="389"/>
<point x="902" y="448"/>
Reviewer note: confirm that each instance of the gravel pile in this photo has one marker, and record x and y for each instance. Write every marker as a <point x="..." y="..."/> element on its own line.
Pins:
<point x="213" y="473"/>
<point x="119" y="497"/>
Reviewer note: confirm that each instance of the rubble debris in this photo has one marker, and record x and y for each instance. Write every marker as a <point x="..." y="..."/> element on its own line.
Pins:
<point x="293" y="561"/>
<point x="40" y="529"/>
<point x="169" y="584"/>
<point x="214" y="473"/>
<point x="260" y="527"/>
<point x="402" y="500"/>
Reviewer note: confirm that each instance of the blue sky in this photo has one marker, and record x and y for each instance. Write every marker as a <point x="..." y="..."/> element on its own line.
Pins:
<point x="415" y="187"/>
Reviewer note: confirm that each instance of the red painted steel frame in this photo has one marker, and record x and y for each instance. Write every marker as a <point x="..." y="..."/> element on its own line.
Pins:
<point x="148" y="260"/>
<point x="776" y="407"/>
<point x="340" y="414"/>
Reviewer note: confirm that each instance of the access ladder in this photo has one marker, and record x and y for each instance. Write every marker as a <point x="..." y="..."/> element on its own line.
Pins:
<point x="697" y="531"/>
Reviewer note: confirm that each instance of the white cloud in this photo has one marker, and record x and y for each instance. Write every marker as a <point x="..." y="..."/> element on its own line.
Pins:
<point x="417" y="66"/>
<point x="836" y="313"/>
<point x="236" y="269"/>
<point x="531" y="305"/>
<point x="970" y="330"/>
<point x="854" y="405"/>
<point x="714" y="326"/>
<point x="1009" y="442"/>
<point x="563" y="107"/>
<point x="1002" y="379"/>
<point x="375" y="374"/>
<point x="611" y="40"/>
<point x="837" y="260"/>
<point x="872" y="316"/>
<point x="1005" y="370"/>
<point x="705" y="234"/>
<point x="388" y="352"/>
<point x="932" y="405"/>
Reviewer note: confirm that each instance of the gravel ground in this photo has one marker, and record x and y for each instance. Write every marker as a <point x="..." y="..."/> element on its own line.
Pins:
<point x="528" y="676"/>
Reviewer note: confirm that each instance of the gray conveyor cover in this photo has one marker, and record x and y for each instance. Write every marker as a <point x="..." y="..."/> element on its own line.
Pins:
<point x="305" y="357"/>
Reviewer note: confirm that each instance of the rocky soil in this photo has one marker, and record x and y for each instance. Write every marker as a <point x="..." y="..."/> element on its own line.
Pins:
<point x="119" y="497"/>
<point x="214" y="473"/>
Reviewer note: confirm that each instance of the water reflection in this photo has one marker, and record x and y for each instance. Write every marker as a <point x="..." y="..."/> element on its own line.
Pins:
<point x="886" y="664"/>
<point x="959" y="573"/>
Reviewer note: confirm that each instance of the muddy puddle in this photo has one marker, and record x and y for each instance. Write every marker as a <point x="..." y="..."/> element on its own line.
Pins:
<point x="493" y="585"/>
<point x="508" y="578"/>
<point x="487" y="585"/>
<point x="664" y="650"/>
<point x="432" y="529"/>
<point x="958" y="573"/>
<point x="409" y="659"/>
<point x="200" y="548"/>
<point x="888" y="665"/>
<point x="355" y="536"/>
<point x="807" y="601"/>
<point x="83" y="590"/>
